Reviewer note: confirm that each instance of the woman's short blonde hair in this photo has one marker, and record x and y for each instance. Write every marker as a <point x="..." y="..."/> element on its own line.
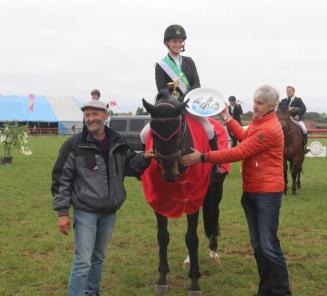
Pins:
<point x="268" y="94"/>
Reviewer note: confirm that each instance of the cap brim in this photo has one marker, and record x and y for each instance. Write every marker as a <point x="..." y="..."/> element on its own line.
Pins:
<point x="92" y="107"/>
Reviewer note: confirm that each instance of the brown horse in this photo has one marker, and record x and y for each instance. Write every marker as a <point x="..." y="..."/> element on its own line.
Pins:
<point x="293" y="148"/>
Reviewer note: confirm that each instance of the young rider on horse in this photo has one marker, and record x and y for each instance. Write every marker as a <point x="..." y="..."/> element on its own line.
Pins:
<point x="181" y="71"/>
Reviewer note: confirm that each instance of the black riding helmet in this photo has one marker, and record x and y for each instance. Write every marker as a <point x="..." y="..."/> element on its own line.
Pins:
<point x="174" y="31"/>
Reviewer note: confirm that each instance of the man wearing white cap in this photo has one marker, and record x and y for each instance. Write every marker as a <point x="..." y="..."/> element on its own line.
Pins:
<point x="88" y="176"/>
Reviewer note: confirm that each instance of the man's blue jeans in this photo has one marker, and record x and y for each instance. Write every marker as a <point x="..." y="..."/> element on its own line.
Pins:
<point x="92" y="235"/>
<point x="262" y="214"/>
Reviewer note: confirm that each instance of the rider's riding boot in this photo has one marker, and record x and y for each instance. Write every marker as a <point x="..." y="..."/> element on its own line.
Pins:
<point x="143" y="149"/>
<point x="214" y="146"/>
<point x="213" y="142"/>
<point x="305" y="142"/>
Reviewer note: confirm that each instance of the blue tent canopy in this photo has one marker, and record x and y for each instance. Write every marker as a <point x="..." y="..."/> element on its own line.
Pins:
<point x="64" y="112"/>
<point x="15" y="108"/>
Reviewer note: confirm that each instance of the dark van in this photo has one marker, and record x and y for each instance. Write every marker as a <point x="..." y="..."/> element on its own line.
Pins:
<point x="129" y="127"/>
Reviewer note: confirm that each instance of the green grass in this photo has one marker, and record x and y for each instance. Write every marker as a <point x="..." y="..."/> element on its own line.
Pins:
<point x="35" y="258"/>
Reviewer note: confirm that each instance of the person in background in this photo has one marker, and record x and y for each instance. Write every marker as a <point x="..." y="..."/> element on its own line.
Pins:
<point x="235" y="111"/>
<point x="88" y="176"/>
<point x="73" y="129"/>
<point x="261" y="149"/>
<point x="297" y="109"/>
<point x="95" y="94"/>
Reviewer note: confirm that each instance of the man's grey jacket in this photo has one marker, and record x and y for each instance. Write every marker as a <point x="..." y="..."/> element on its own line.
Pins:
<point x="80" y="179"/>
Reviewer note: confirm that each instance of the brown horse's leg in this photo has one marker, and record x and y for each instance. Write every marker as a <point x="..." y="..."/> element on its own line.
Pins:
<point x="163" y="241"/>
<point x="299" y="164"/>
<point x="192" y="243"/>
<point x="285" y="176"/>
<point x="296" y="168"/>
<point x="294" y="172"/>
<point x="298" y="182"/>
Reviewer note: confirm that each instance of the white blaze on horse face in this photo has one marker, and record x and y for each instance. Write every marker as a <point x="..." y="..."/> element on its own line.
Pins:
<point x="260" y="108"/>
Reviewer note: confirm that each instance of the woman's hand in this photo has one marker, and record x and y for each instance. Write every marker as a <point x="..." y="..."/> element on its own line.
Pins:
<point x="225" y="114"/>
<point x="191" y="158"/>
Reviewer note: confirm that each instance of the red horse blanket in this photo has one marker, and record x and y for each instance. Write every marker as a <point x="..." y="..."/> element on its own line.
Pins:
<point x="187" y="193"/>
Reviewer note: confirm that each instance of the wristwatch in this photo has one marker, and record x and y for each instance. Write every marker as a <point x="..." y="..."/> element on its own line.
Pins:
<point x="203" y="157"/>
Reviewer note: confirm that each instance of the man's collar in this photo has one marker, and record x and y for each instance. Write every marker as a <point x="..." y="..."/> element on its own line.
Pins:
<point x="90" y="138"/>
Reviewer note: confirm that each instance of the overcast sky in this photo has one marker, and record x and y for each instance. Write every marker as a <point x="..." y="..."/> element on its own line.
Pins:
<point x="69" y="47"/>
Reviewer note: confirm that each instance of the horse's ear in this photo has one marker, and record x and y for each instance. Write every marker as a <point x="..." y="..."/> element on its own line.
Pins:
<point x="148" y="107"/>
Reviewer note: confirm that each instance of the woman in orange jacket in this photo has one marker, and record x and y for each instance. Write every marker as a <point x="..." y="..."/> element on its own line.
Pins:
<point x="261" y="149"/>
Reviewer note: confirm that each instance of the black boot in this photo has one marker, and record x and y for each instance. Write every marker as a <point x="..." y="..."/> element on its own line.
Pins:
<point x="214" y="146"/>
<point x="305" y="142"/>
<point x="143" y="149"/>
<point x="213" y="143"/>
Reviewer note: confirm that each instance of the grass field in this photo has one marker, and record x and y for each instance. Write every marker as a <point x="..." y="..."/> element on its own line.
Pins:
<point x="35" y="259"/>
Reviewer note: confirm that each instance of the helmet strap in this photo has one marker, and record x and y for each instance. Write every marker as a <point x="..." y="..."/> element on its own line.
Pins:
<point x="182" y="50"/>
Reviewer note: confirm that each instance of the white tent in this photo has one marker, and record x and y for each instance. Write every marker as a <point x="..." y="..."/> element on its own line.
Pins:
<point x="68" y="113"/>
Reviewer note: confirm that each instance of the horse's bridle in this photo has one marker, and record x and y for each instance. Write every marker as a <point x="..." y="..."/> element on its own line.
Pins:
<point x="159" y="156"/>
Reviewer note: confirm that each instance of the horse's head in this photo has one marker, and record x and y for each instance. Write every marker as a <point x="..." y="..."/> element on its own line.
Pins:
<point x="166" y="129"/>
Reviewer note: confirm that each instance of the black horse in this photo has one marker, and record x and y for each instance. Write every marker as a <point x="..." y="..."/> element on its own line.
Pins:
<point x="293" y="148"/>
<point x="172" y="139"/>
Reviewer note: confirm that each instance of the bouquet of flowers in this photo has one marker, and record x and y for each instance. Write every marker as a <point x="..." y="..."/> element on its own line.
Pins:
<point x="13" y="137"/>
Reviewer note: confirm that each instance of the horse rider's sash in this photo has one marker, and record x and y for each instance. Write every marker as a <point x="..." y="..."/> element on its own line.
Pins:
<point x="175" y="73"/>
<point x="186" y="195"/>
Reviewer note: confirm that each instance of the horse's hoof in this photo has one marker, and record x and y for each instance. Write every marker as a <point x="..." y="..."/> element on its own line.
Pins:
<point x="214" y="258"/>
<point x="194" y="293"/>
<point x="160" y="290"/>
<point x="186" y="263"/>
